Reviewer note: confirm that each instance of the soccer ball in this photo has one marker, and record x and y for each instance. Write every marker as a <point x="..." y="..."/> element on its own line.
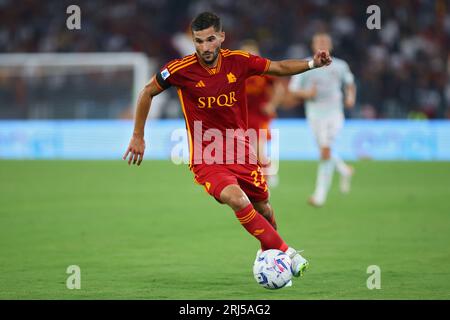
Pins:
<point x="272" y="269"/>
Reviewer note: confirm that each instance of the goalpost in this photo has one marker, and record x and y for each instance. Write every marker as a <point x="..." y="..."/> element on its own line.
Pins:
<point x="72" y="85"/>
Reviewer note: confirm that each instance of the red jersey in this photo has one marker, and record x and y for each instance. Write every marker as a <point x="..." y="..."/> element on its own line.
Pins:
<point x="259" y="89"/>
<point x="214" y="102"/>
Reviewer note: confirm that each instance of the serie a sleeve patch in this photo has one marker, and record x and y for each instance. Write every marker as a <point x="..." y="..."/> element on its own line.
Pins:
<point x="161" y="78"/>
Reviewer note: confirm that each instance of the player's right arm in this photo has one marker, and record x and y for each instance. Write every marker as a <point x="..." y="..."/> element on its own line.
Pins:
<point x="294" y="66"/>
<point x="136" y="148"/>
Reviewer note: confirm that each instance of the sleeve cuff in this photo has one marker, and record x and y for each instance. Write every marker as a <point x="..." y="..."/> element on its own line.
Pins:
<point x="160" y="82"/>
<point x="266" y="67"/>
<point x="157" y="84"/>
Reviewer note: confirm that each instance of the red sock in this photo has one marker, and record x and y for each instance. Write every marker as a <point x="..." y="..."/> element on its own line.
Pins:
<point x="260" y="228"/>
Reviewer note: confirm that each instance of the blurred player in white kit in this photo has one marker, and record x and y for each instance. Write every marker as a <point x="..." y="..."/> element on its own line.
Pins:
<point x="322" y="90"/>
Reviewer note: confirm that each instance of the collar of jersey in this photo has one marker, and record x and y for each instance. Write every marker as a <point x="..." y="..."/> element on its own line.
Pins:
<point x="213" y="70"/>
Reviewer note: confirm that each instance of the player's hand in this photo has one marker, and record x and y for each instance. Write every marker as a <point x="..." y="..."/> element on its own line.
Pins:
<point x="312" y="93"/>
<point x="135" y="150"/>
<point x="322" y="58"/>
<point x="349" y="102"/>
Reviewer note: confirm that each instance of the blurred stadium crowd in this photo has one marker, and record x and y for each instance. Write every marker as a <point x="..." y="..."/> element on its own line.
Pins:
<point x="402" y="70"/>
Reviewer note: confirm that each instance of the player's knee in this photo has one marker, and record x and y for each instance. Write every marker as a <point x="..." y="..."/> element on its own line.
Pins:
<point x="267" y="212"/>
<point x="270" y="211"/>
<point x="265" y="209"/>
<point x="325" y="153"/>
<point x="235" y="198"/>
<point x="238" y="202"/>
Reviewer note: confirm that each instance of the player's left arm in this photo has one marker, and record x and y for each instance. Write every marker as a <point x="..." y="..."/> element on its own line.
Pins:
<point x="349" y="86"/>
<point x="350" y="95"/>
<point x="294" y="66"/>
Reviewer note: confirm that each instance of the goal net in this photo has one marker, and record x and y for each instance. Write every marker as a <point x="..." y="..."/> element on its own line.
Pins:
<point x="72" y="85"/>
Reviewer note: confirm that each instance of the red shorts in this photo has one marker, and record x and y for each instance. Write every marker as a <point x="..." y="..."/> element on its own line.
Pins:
<point x="215" y="177"/>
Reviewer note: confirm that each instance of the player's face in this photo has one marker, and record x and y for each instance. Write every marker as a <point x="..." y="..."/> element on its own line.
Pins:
<point x="207" y="44"/>
<point x="322" y="42"/>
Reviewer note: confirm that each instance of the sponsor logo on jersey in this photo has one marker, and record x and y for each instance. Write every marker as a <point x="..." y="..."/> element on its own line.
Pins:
<point x="165" y="74"/>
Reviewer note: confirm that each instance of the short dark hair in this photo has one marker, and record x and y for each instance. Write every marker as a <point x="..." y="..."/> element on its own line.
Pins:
<point x="205" y="20"/>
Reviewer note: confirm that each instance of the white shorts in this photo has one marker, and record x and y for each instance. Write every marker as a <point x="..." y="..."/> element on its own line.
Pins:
<point x="326" y="129"/>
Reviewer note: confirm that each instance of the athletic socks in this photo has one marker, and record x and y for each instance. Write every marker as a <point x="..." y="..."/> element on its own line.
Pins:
<point x="260" y="228"/>
<point x="323" y="181"/>
<point x="341" y="167"/>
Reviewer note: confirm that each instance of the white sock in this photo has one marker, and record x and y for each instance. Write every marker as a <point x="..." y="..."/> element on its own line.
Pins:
<point x="341" y="167"/>
<point x="323" y="181"/>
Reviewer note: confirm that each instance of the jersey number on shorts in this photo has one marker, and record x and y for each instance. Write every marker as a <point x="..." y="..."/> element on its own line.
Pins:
<point x="255" y="174"/>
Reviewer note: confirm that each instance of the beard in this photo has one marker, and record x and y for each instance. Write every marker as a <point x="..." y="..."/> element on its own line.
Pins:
<point x="209" y="57"/>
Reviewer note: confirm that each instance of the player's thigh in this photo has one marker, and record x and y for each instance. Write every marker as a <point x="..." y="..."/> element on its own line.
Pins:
<point x="214" y="178"/>
<point x="334" y="126"/>
<point x="234" y="196"/>
<point x="319" y="130"/>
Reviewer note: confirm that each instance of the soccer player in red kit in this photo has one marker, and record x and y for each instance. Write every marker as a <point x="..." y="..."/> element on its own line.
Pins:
<point x="211" y="89"/>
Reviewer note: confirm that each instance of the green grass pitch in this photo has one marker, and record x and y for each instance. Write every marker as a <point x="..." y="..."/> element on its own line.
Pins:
<point x="149" y="232"/>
